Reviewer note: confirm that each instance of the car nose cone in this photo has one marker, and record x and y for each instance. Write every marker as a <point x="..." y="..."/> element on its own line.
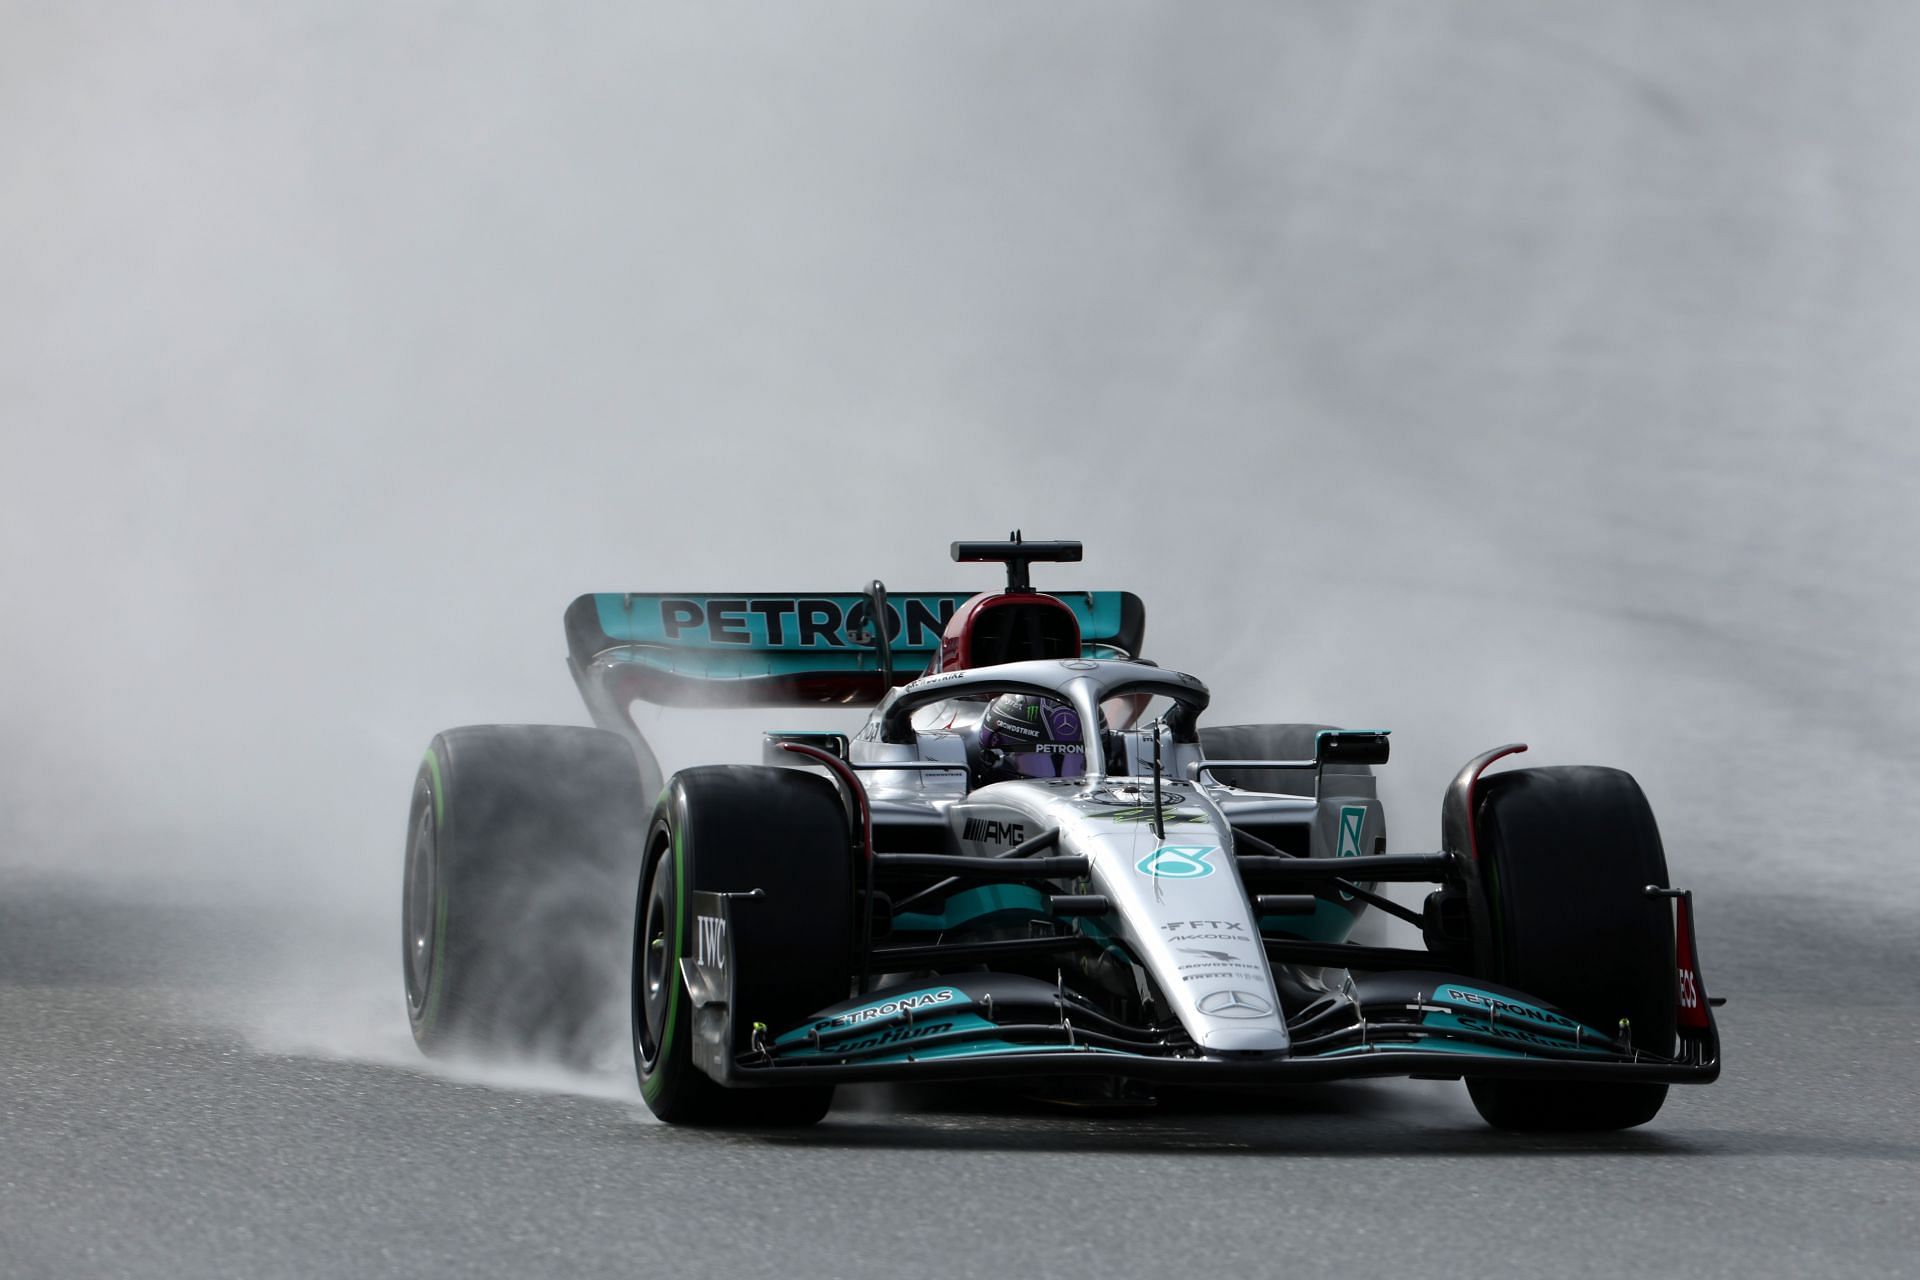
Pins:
<point x="1244" y="1039"/>
<point x="1234" y="1004"/>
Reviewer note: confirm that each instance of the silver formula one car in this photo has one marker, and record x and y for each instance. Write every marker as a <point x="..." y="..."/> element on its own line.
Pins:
<point x="1033" y="862"/>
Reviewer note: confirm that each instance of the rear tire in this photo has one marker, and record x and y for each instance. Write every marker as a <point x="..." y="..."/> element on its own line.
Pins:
<point x="521" y="842"/>
<point x="734" y="829"/>
<point x="1565" y="856"/>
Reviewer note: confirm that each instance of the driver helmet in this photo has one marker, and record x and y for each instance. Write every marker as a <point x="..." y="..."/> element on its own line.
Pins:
<point x="1023" y="735"/>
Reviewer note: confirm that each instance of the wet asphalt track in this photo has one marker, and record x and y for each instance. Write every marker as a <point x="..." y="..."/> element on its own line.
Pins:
<point x="1549" y="371"/>
<point x="147" y="1134"/>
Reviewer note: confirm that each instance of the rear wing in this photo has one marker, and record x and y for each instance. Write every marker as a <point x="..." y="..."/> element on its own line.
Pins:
<point x="785" y="649"/>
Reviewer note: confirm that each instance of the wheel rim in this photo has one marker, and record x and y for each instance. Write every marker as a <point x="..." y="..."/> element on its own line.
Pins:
<point x="422" y="893"/>
<point x="654" y="970"/>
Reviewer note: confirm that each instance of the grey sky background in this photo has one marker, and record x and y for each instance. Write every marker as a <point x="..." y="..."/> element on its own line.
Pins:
<point x="1480" y="371"/>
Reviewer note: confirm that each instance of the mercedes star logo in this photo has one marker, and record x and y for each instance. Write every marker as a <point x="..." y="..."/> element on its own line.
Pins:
<point x="1234" y="1004"/>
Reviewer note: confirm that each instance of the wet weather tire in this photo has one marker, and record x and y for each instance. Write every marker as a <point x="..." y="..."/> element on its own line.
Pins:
<point x="734" y="829"/>
<point x="1565" y="857"/>
<point x="521" y="845"/>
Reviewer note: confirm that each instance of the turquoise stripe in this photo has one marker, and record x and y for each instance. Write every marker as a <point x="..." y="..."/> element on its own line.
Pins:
<point x="987" y="904"/>
<point x="988" y="1048"/>
<point x="642" y="620"/>
<point x="1330" y="922"/>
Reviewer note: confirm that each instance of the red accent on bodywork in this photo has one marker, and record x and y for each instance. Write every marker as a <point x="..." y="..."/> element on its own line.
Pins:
<point x="1473" y="828"/>
<point x="851" y="784"/>
<point x="956" y="642"/>
<point x="1691" y="1013"/>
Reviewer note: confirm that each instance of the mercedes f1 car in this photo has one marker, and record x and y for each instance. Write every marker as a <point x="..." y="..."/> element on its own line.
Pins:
<point x="1032" y="862"/>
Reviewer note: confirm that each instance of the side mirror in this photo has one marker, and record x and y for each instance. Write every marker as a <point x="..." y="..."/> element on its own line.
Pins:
<point x="833" y="743"/>
<point x="1350" y="746"/>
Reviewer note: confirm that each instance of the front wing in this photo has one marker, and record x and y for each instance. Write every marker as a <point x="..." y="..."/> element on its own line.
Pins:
<point x="980" y="1026"/>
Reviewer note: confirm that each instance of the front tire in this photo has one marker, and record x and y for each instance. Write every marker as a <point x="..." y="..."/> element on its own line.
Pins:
<point x="734" y="829"/>
<point x="1565" y="858"/>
